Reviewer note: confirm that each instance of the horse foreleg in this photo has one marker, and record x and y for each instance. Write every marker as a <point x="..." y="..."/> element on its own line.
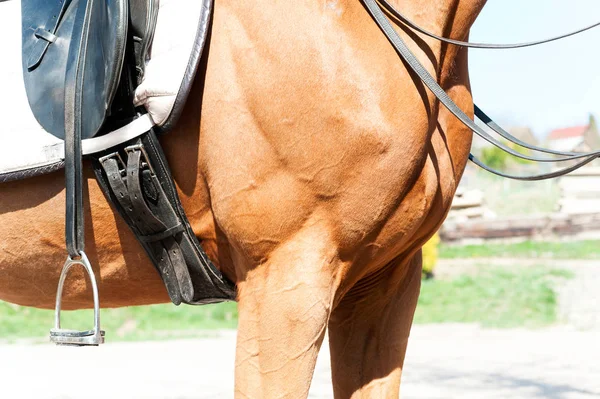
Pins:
<point x="368" y="332"/>
<point x="284" y="307"/>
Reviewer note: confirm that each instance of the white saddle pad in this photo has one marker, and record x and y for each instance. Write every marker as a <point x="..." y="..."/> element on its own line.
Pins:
<point x="24" y="145"/>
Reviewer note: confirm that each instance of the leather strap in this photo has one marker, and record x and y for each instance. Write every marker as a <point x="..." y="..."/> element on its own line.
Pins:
<point x="487" y="46"/>
<point x="74" y="226"/>
<point x="507" y="136"/>
<point x="144" y="14"/>
<point x="46" y="35"/>
<point x="135" y="177"/>
<point x="542" y="176"/>
<point x="412" y="61"/>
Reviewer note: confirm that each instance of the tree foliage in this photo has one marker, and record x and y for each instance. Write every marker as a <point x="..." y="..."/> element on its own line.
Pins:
<point x="500" y="159"/>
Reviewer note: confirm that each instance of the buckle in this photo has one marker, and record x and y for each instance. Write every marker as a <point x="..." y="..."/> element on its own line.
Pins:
<point x="120" y="162"/>
<point x="43" y="34"/>
<point x="145" y="158"/>
<point x="62" y="336"/>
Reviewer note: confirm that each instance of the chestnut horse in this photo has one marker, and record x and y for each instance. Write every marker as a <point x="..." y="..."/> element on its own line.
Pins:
<point x="312" y="166"/>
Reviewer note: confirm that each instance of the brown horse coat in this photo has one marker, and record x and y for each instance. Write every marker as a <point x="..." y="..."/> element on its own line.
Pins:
<point x="318" y="169"/>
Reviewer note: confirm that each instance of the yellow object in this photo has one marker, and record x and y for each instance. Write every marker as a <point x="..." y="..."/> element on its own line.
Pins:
<point x="430" y="255"/>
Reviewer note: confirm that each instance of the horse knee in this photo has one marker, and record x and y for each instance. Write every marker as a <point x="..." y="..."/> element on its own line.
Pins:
<point x="284" y="308"/>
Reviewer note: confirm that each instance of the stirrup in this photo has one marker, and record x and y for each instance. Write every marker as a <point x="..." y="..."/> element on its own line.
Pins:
<point x="61" y="336"/>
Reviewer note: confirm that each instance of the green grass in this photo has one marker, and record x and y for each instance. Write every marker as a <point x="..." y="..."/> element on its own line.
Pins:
<point x="133" y="323"/>
<point x="527" y="249"/>
<point x="494" y="297"/>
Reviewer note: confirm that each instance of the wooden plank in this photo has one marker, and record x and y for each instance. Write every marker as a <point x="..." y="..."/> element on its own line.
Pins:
<point x="560" y="224"/>
<point x="579" y="206"/>
<point x="585" y="171"/>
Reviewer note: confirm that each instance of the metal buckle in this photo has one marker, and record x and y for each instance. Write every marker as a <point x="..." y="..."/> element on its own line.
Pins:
<point x="120" y="162"/>
<point x="140" y="147"/>
<point x="61" y="336"/>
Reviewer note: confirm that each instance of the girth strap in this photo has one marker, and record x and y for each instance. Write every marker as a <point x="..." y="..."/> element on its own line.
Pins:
<point x="135" y="177"/>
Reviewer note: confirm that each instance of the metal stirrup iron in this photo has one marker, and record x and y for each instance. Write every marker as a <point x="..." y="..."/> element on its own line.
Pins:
<point x="62" y="336"/>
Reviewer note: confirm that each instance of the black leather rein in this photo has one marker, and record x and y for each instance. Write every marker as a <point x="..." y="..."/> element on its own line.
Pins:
<point x="488" y="46"/>
<point x="384" y="24"/>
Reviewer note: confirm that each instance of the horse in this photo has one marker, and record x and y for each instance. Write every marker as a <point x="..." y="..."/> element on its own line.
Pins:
<point x="313" y="164"/>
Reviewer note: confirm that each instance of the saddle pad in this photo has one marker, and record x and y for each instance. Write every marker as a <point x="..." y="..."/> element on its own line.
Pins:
<point x="181" y="31"/>
<point x="27" y="150"/>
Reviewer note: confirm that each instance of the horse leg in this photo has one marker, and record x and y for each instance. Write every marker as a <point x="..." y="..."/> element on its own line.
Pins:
<point x="284" y="306"/>
<point x="368" y="332"/>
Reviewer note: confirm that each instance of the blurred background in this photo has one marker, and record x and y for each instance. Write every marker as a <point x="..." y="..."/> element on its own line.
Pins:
<point x="510" y="300"/>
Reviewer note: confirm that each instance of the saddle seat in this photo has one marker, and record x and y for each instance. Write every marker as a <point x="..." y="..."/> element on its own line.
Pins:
<point x="166" y="39"/>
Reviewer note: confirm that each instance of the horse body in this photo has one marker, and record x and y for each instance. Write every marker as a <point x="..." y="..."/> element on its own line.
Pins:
<point x="312" y="165"/>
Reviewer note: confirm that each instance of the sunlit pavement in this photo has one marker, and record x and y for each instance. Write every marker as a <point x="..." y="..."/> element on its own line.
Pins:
<point x="444" y="361"/>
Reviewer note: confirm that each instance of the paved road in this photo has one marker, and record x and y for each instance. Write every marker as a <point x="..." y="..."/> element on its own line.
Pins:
<point x="444" y="361"/>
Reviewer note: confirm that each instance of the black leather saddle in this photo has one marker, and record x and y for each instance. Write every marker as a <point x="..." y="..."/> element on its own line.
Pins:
<point x="77" y="48"/>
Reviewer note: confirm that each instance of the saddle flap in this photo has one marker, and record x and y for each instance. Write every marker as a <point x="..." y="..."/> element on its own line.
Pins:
<point x="45" y="34"/>
<point x="50" y="31"/>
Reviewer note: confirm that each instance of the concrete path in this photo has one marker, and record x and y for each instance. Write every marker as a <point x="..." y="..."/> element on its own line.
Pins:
<point x="444" y="361"/>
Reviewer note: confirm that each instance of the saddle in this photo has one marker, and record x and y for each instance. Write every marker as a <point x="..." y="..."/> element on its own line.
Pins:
<point x="69" y="42"/>
<point x="87" y="39"/>
<point x="84" y="64"/>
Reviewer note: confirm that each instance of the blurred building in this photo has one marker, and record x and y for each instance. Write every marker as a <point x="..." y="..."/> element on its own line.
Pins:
<point x="524" y="133"/>
<point x="575" y="138"/>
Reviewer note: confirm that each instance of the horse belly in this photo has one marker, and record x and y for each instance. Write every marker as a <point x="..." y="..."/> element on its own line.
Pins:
<point x="32" y="249"/>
